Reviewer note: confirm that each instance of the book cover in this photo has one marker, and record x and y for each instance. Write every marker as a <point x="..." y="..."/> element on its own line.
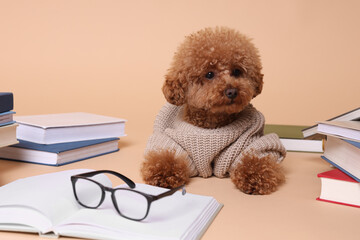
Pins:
<point x="6" y="101"/>
<point x="60" y="153"/>
<point x="68" y="127"/>
<point x="25" y="208"/>
<point x="343" y="129"/>
<point x="338" y="187"/>
<point x="292" y="138"/>
<point x="352" y="115"/>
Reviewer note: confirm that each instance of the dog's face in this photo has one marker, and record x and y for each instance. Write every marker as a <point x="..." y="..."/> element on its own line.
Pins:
<point x="216" y="70"/>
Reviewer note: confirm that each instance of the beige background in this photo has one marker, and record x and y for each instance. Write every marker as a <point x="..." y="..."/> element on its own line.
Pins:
<point x="109" y="57"/>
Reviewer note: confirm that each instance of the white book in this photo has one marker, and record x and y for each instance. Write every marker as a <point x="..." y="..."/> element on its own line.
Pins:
<point x="343" y="129"/>
<point x="311" y="132"/>
<point x="46" y="204"/>
<point x="8" y="135"/>
<point x="68" y="127"/>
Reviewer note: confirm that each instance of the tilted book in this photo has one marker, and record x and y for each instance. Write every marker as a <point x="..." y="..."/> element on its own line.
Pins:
<point x="338" y="187"/>
<point x="59" y="154"/>
<point x="352" y="115"/>
<point x="6" y="101"/>
<point x="342" y="129"/>
<point x="344" y="155"/>
<point x="292" y="138"/>
<point x="46" y="204"/>
<point x="68" y="127"/>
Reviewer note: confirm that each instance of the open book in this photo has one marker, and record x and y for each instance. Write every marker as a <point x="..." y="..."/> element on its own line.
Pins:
<point x="46" y="204"/>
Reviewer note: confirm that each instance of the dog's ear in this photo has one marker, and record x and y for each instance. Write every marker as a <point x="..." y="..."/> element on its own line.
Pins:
<point x="174" y="88"/>
<point x="258" y="84"/>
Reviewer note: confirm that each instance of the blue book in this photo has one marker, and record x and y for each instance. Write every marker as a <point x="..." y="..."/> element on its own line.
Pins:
<point x="344" y="155"/>
<point x="341" y="169"/>
<point x="6" y="101"/>
<point x="60" y="153"/>
<point x="6" y="118"/>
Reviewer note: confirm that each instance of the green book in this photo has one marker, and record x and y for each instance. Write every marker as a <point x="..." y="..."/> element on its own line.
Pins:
<point x="292" y="138"/>
<point x="285" y="131"/>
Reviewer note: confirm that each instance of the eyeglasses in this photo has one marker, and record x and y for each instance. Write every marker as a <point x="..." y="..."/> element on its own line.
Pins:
<point x="129" y="203"/>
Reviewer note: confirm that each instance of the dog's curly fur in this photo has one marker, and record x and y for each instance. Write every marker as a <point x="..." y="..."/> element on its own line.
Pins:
<point x="164" y="169"/>
<point x="235" y="63"/>
<point x="215" y="73"/>
<point x="257" y="175"/>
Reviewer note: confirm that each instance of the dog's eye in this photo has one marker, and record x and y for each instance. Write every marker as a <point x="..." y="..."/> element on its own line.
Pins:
<point x="210" y="75"/>
<point x="237" y="72"/>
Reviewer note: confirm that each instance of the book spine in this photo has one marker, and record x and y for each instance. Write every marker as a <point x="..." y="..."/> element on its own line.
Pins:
<point x="6" y="102"/>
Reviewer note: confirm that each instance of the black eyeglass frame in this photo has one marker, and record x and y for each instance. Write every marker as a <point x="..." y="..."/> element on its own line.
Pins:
<point x="150" y="198"/>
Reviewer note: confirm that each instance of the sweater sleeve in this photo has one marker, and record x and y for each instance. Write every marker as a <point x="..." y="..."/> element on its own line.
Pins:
<point x="269" y="144"/>
<point x="160" y="140"/>
<point x="251" y="141"/>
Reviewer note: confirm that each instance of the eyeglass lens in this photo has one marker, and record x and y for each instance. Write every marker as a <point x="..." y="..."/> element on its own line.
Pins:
<point x="88" y="193"/>
<point x="131" y="204"/>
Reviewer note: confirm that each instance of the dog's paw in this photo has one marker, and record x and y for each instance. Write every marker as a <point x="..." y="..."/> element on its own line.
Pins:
<point x="257" y="175"/>
<point x="164" y="169"/>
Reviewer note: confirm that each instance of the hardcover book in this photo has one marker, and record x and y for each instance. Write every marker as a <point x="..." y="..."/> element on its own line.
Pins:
<point x="50" y="208"/>
<point x="6" y="101"/>
<point x="8" y="135"/>
<point x="352" y="115"/>
<point x="337" y="187"/>
<point x="59" y="153"/>
<point x="343" y="129"/>
<point x="292" y="138"/>
<point x="343" y="154"/>
<point x="6" y="118"/>
<point x="68" y="127"/>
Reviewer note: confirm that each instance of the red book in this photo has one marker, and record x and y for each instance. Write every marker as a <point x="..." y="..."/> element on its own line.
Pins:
<point x="337" y="187"/>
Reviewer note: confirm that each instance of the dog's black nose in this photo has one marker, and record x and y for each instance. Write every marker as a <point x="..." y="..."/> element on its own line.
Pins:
<point x="231" y="93"/>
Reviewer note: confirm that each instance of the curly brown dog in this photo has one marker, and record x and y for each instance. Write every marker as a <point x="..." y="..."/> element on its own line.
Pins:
<point x="208" y="127"/>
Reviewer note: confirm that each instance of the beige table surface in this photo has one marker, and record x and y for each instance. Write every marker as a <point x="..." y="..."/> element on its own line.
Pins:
<point x="290" y="213"/>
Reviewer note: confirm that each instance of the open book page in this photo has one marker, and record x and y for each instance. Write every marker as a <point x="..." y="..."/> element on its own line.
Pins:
<point x="40" y="201"/>
<point x="174" y="217"/>
<point x="46" y="204"/>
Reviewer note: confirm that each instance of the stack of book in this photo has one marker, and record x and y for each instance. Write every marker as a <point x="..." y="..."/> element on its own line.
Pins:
<point x="58" y="139"/>
<point x="7" y="124"/>
<point x="342" y="150"/>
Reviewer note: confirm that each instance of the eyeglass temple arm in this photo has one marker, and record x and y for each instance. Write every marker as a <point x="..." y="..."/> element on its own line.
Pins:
<point x="128" y="181"/>
<point x="170" y="192"/>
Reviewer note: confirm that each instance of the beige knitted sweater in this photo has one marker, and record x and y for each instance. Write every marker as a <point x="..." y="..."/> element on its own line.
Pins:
<point x="213" y="151"/>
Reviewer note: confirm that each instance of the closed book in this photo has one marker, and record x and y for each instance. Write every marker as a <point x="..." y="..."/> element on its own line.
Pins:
<point x="6" y="118"/>
<point x="68" y="127"/>
<point x="46" y="204"/>
<point x="6" y="101"/>
<point x="311" y="132"/>
<point x="338" y="187"/>
<point x="60" y="153"/>
<point x="292" y="138"/>
<point x="344" y="155"/>
<point x="8" y="135"/>
<point x="343" y="129"/>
